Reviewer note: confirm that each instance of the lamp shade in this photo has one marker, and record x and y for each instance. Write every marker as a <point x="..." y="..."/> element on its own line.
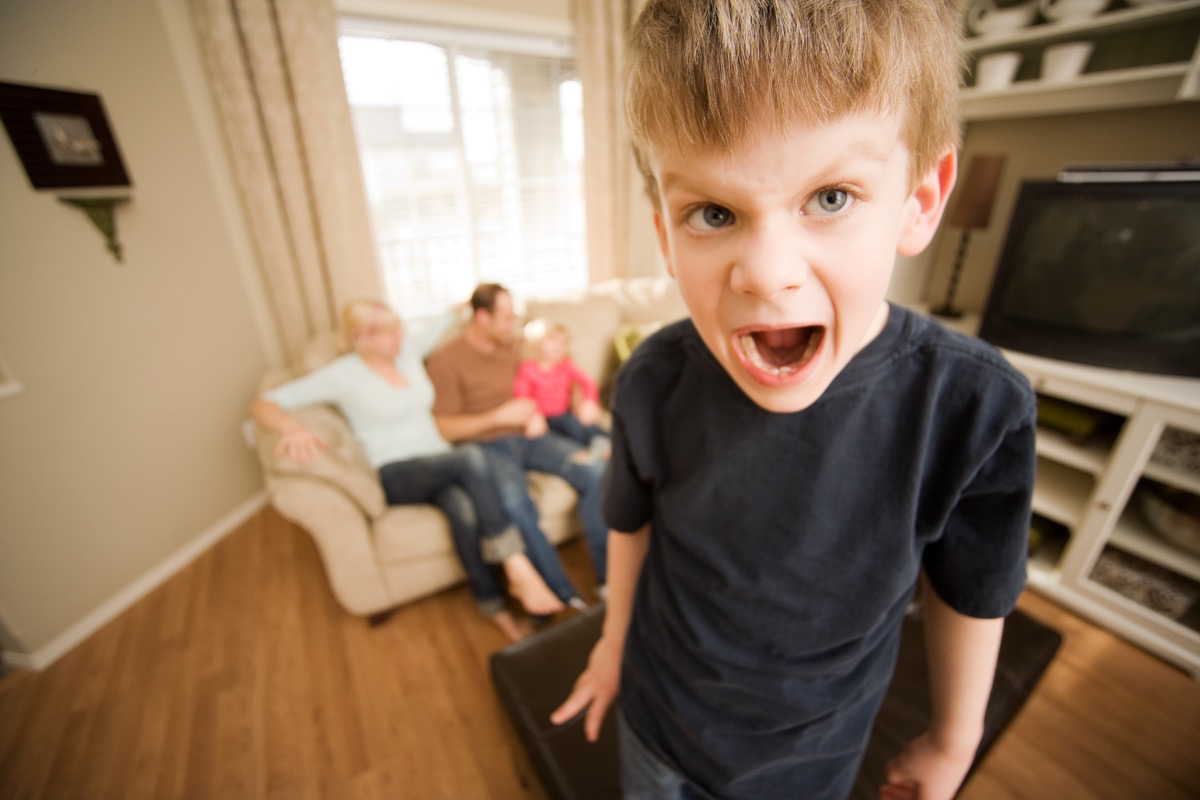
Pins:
<point x="977" y="192"/>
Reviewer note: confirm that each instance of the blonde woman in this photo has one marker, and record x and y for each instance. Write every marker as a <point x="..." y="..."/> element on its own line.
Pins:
<point x="380" y="386"/>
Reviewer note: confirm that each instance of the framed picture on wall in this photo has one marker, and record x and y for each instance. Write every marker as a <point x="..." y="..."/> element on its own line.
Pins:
<point x="62" y="138"/>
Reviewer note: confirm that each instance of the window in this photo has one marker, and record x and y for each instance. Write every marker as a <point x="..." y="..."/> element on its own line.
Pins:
<point x="472" y="149"/>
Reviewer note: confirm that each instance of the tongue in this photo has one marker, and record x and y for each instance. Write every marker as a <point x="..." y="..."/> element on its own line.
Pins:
<point x="784" y="339"/>
<point x="782" y="347"/>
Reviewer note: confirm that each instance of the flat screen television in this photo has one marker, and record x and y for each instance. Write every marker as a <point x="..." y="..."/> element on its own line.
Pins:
<point x="1104" y="273"/>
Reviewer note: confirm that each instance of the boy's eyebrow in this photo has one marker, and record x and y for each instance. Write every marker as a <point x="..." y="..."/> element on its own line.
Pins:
<point x="858" y="152"/>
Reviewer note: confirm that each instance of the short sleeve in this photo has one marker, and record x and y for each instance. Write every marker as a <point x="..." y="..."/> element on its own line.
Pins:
<point x="628" y="497"/>
<point x="978" y="565"/>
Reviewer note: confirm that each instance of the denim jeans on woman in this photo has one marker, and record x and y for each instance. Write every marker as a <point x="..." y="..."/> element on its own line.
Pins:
<point x="458" y="483"/>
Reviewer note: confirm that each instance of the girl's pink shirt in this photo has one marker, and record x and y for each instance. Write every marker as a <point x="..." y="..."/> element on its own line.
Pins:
<point x="551" y="388"/>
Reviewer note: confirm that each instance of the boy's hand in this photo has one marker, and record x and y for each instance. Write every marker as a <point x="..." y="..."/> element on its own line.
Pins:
<point x="595" y="690"/>
<point x="925" y="771"/>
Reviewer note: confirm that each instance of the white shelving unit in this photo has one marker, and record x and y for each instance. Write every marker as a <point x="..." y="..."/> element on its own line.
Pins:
<point x="1115" y="88"/>
<point x="1090" y="488"/>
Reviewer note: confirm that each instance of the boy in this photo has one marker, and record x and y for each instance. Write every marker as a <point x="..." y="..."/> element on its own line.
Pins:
<point x="790" y="462"/>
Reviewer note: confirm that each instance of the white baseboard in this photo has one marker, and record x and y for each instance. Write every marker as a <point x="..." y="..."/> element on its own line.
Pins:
<point x="122" y="600"/>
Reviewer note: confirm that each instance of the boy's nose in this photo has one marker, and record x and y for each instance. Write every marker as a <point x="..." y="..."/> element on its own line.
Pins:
<point x="768" y="266"/>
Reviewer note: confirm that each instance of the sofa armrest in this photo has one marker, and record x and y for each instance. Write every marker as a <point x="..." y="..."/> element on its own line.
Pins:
<point x="343" y="465"/>
<point x="343" y="536"/>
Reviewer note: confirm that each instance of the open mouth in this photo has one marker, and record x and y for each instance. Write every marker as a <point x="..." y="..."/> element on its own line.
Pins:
<point x="782" y="352"/>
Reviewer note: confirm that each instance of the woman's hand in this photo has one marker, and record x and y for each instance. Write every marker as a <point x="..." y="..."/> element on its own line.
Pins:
<point x="595" y="690"/>
<point x="300" y="445"/>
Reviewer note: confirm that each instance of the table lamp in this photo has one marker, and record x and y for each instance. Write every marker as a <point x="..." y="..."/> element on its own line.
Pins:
<point x="973" y="209"/>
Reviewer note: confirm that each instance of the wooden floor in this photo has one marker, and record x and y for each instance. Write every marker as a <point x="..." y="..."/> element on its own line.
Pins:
<point x="241" y="678"/>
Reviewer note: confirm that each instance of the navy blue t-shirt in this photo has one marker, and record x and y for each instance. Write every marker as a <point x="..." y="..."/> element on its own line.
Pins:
<point x="785" y="547"/>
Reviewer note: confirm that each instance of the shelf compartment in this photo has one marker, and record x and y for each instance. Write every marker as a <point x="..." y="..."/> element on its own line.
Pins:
<point x="1077" y="435"/>
<point x="1118" y="88"/>
<point x="1134" y="535"/>
<point x="1126" y="19"/>
<point x="1176" y="460"/>
<point x="1152" y="588"/>
<point x="1048" y="541"/>
<point x="1090" y="458"/>
<point x="1061" y="493"/>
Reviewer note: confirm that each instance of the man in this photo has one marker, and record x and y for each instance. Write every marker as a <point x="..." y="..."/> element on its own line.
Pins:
<point x="473" y="381"/>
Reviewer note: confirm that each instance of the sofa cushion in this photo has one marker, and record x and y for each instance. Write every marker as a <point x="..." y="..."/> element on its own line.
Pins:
<point x="403" y="533"/>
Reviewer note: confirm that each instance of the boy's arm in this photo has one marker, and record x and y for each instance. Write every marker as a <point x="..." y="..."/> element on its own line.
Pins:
<point x="597" y="687"/>
<point x="962" y="653"/>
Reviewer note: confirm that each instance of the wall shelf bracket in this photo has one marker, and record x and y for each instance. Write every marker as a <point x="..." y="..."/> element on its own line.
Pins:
<point x="101" y="211"/>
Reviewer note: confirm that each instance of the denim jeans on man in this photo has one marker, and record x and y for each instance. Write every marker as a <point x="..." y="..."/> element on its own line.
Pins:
<point x="459" y="483"/>
<point x="510" y="456"/>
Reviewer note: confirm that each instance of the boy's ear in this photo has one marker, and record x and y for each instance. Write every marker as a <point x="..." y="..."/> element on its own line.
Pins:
<point x="927" y="203"/>
<point x="661" y="230"/>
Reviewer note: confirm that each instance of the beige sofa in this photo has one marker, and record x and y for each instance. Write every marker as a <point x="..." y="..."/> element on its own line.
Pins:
<point x="378" y="557"/>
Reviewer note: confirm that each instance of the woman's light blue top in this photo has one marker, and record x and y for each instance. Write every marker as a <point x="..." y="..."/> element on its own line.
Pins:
<point x="393" y="423"/>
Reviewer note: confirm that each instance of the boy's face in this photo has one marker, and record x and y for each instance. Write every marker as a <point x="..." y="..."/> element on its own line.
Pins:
<point x="783" y="246"/>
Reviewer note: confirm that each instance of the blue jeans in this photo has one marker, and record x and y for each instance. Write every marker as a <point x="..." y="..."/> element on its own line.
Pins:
<point x="512" y="455"/>
<point x="569" y="425"/>
<point x="645" y="776"/>
<point x="458" y="482"/>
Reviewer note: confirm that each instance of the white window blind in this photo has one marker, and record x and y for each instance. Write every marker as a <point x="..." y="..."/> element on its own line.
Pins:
<point x="472" y="149"/>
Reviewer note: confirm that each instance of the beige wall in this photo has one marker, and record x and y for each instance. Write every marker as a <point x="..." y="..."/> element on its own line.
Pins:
<point x="124" y="449"/>
<point x="1037" y="147"/>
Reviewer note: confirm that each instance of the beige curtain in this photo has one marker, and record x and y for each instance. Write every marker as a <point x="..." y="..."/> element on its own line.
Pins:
<point x="620" y="232"/>
<point x="278" y="83"/>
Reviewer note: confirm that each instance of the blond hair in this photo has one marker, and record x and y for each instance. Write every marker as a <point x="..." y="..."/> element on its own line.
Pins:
<point x="538" y="330"/>
<point x="360" y="314"/>
<point x="706" y="72"/>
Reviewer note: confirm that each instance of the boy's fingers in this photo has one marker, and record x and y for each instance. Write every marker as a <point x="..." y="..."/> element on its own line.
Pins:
<point x="903" y="790"/>
<point x="595" y="717"/>
<point x="576" y="702"/>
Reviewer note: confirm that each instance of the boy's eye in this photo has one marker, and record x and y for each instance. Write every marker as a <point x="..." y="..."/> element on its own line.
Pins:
<point x="829" y="201"/>
<point x="710" y="217"/>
